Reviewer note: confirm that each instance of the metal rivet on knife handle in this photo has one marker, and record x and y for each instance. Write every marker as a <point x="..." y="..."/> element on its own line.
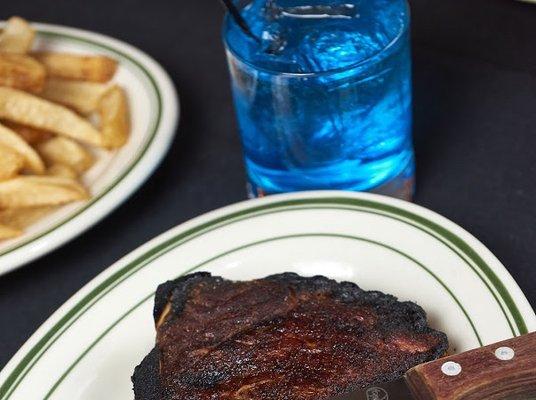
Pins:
<point x="451" y="368"/>
<point x="505" y="353"/>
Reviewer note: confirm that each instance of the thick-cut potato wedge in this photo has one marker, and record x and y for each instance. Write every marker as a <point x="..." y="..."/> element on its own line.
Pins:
<point x="114" y="116"/>
<point x="11" y="163"/>
<point x="62" y="170"/>
<point x="17" y="36"/>
<point x="32" y="160"/>
<point x="60" y="150"/>
<point x="20" y="218"/>
<point x="81" y="96"/>
<point x="37" y="191"/>
<point x="76" y="66"/>
<point x="58" y="180"/>
<point x="30" y="135"/>
<point x="21" y="72"/>
<point x="7" y="232"/>
<point x="26" y="109"/>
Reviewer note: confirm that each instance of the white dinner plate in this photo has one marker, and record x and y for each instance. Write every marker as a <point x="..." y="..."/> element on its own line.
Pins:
<point x="88" y="349"/>
<point x="116" y="175"/>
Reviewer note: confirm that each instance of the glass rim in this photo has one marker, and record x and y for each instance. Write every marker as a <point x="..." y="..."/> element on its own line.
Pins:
<point x="368" y="60"/>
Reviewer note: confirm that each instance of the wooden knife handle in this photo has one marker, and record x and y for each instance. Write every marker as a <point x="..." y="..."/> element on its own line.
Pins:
<point x="506" y="370"/>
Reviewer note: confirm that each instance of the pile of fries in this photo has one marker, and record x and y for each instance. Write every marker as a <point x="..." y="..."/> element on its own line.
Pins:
<point x="54" y="109"/>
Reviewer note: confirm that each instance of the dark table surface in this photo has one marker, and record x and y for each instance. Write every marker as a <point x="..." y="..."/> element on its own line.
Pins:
<point x="475" y="134"/>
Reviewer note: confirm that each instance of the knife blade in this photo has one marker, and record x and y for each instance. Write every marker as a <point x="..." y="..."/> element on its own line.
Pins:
<point x="395" y="390"/>
<point x="504" y="370"/>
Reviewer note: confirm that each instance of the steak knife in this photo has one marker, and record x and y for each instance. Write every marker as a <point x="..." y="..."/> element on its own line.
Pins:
<point x="505" y="370"/>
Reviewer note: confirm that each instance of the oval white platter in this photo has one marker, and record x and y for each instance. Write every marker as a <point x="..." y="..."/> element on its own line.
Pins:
<point x="90" y="346"/>
<point x="116" y="175"/>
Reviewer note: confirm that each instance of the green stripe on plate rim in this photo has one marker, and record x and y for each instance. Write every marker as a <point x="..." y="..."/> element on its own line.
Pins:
<point x="250" y="245"/>
<point x="151" y="132"/>
<point x="429" y="227"/>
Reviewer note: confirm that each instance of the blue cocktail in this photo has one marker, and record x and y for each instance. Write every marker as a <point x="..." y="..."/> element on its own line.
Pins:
<point x="323" y="96"/>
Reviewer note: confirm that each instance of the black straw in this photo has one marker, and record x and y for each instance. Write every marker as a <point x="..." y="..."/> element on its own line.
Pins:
<point x="240" y="21"/>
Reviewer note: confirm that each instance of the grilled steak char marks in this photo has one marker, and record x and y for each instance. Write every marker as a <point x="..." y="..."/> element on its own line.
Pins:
<point x="282" y="337"/>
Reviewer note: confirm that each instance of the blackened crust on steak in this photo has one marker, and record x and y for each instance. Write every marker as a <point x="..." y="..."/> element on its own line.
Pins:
<point x="281" y="337"/>
<point x="175" y="292"/>
<point x="146" y="378"/>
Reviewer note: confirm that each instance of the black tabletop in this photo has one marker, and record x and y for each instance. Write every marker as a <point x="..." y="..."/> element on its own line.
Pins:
<point x="475" y="134"/>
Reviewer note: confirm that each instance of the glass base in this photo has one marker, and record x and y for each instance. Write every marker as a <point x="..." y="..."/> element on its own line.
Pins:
<point x="401" y="186"/>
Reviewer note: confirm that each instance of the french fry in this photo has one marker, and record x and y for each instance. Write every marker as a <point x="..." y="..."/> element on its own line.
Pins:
<point x="17" y="36"/>
<point x="62" y="170"/>
<point x="81" y="96"/>
<point x="72" y="184"/>
<point x="60" y="150"/>
<point x="50" y="106"/>
<point x="11" y="163"/>
<point x="21" y="218"/>
<point x="30" y="135"/>
<point x="21" y="72"/>
<point x="7" y="232"/>
<point x="78" y="67"/>
<point x="113" y="111"/>
<point x="10" y="139"/>
<point x="26" y="109"/>
<point x="37" y="191"/>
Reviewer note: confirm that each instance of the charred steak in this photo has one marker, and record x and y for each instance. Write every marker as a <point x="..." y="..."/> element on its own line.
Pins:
<point x="283" y="337"/>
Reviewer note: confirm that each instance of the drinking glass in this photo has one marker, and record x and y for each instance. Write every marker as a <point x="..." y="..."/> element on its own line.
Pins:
<point x="323" y="100"/>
